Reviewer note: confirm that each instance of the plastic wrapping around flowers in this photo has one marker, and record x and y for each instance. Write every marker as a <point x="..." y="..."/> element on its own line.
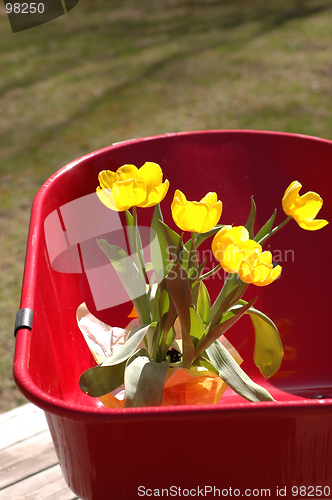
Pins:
<point x="174" y="350"/>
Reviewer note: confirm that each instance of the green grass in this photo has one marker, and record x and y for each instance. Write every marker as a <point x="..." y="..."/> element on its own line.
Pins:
<point x="110" y="71"/>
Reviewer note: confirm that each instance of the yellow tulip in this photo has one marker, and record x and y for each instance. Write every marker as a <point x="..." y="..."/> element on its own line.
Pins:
<point x="260" y="270"/>
<point x="130" y="186"/>
<point x="239" y="254"/>
<point x="303" y="208"/>
<point x="196" y="216"/>
<point x="231" y="245"/>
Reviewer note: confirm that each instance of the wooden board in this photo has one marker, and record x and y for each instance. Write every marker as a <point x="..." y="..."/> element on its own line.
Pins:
<point x="29" y="466"/>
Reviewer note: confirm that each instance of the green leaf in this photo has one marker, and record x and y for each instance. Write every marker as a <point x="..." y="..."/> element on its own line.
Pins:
<point x="205" y="363"/>
<point x="137" y="251"/>
<point x="203" y="303"/>
<point x="192" y="259"/>
<point x="166" y="317"/>
<point x="197" y="329"/>
<point x="150" y="337"/>
<point x="171" y="236"/>
<point x="144" y="380"/>
<point x="221" y="328"/>
<point x="268" y="351"/>
<point x="159" y="247"/>
<point x="251" y="220"/>
<point x="231" y="373"/>
<point x="107" y="376"/>
<point x="130" y="346"/>
<point x="179" y="289"/>
<point x="130" y="233"/>
<point x="99" y="380"/>
<point x="169" y="341"/>
<point x="168" y="332"/>
<point x="225" y="304"/>
<point x="231" y="292"/>
<point x="232" y="282"/>
<point x="164" y="304"/>
<point x="264" y="231"/>
<point x="135" y="242"/>
<point x="152" y="295"/>
<point x="155" y="313"/>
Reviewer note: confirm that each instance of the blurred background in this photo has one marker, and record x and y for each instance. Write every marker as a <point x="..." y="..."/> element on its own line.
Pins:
<point x="111" y="71"/>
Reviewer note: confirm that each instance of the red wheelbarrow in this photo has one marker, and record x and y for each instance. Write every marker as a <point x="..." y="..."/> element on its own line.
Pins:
<point x="233" y="448"/>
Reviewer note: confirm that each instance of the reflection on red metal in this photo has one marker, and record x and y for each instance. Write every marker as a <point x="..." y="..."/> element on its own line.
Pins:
<point x="128" y="453"/>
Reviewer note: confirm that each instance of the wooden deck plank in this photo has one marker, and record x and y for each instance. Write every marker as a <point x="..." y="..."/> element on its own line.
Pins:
<point x="29" y="466"/>
<point x="21" y="423"/>
<point x="26" y="458"/>
<point x="47" y="485"/>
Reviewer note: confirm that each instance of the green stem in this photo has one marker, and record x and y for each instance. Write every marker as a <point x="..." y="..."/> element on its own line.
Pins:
<point x="134" y="216"/>
<point x="138" y="245"/>
<point x="192" y="258"/>
<point x="210" y="273"/>
<point x="141" y="303"/>
<point x="230" y="293"/>
<point x="275" y="230"/>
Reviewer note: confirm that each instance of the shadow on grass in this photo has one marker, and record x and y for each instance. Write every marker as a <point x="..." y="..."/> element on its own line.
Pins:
<point x="184" y="31"/>
<point x="172" y="22"/>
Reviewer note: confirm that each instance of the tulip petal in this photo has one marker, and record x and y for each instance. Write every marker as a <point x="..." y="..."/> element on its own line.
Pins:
<point x="196" y="216"/>
<point x="192" y="216"/>
<point x="303" y="208"/>
<point x="106" y="198"/>
<point x="217" y="241"/>
<point x="151" y="174"/>
<point x="128" y="193"/>
<point x="265" y="258"/>
<point x="308" y="206"/>
<point x="231" y="245"/>
<point x="156" y="195"/>
<point x="250" y="250"/>
<point x="127" y="172"/>
<point x="312" y="225"/>
<point x="231" y="259"/>
<point x="130" y="186"/>
<point x="106" y="179"/>
<point x="210" y="198"/>
<point x="239" y="234"/>
<point x="214" y="215"/>
<point x="263" y="272"/>
<point x="274" y="274"/>
<point x="289" y="201"/>
<point x="244" y="272"/>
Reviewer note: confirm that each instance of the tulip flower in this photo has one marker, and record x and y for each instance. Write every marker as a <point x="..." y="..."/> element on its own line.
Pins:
<point x="239" y="254"/>
<point x="259" y="270"/>
<point x="303" y="208"/>
<point x="196" y="216"/>
<point x="129" y="187"/>
<point x="231" y="245"/>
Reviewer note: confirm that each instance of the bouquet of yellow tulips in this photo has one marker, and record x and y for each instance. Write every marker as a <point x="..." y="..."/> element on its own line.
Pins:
<point x="174" y="351"/>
